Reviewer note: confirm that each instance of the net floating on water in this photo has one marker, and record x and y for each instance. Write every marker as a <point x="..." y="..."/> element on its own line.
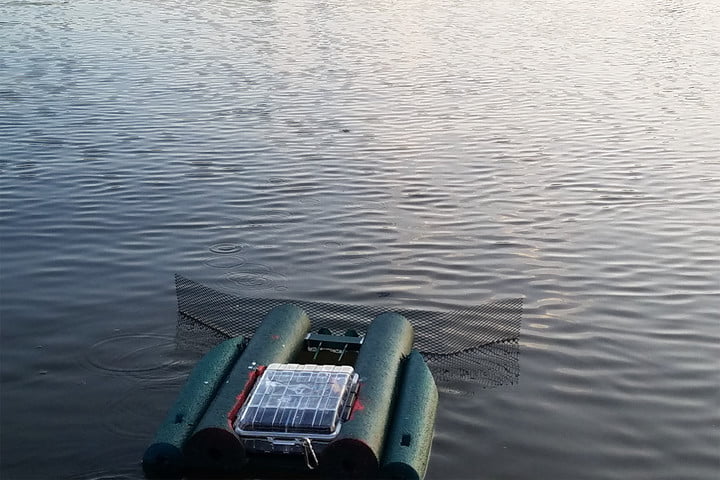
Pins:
<point x="477" y="344"/>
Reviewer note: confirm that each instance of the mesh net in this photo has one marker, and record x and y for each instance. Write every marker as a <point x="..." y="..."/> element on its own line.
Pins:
<point x="478" y="344"/>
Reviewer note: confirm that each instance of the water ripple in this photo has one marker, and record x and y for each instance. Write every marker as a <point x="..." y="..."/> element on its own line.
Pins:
<point x="390" y="153"/>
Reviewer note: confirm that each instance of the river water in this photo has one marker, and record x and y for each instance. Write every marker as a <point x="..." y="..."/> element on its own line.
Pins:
<point x="405" y="152"/>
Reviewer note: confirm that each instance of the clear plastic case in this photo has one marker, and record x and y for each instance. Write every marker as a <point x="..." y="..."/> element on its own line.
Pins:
<point x="295" y="402"/>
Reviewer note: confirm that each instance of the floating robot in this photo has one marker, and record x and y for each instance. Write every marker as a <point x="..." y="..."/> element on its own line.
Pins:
<point x="294" y="403"/>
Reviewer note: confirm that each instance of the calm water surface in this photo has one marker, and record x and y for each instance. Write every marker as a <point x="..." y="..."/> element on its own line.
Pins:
<point x="403" y="152"/>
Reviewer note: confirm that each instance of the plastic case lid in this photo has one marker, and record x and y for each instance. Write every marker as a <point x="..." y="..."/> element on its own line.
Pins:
<point x="292" y="400"/>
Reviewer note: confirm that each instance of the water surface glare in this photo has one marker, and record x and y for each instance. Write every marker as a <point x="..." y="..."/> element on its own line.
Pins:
<point x="406" y="153"/>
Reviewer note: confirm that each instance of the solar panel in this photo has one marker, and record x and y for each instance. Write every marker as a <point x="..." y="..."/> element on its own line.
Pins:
<point x="293" y="401"/>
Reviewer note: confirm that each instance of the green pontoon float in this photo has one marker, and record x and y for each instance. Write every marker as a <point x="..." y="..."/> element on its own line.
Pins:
<point x="293" y="403"/>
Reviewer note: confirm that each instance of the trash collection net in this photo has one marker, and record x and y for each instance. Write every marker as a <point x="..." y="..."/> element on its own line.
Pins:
<point x="478" y="343"/>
